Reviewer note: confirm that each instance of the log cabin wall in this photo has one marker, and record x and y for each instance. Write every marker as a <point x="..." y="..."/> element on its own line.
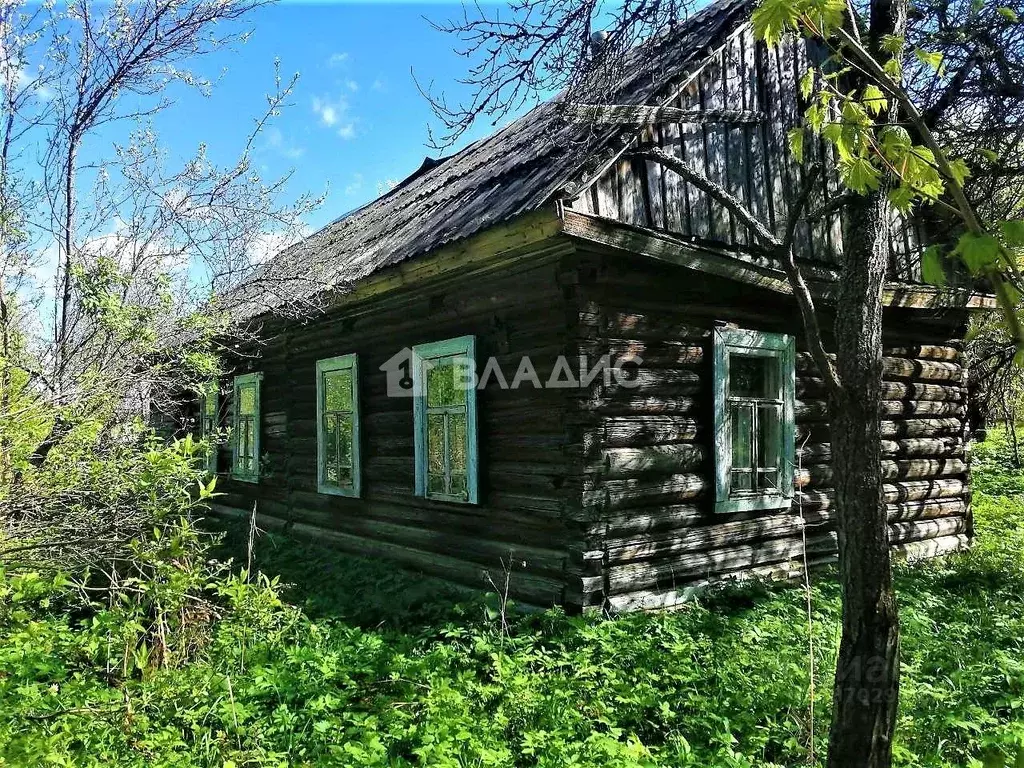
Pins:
<point x="647" y="505"/>
<point x="750" y="160"/>
<point x="529" y="470"/>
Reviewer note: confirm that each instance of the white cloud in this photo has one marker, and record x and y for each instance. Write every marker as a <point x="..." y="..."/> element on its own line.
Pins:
<point x="352" y="85"/>
<point x="327" y="111"/>
<point x="379" y="85"/>
<point x="334" y="113"/>
<point x="337" y="59"/>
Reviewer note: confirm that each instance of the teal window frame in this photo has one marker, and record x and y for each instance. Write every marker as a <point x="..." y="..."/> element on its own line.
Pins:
<point x="780" y="349"/>
<point x="246" y="476"/>
<point x="324" y="368"/>
<point x="463" y="347"/>
<point x="209" y="424"/>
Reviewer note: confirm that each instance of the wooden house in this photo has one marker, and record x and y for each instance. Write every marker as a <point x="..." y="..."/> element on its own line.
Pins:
<point x="698" y="450"/>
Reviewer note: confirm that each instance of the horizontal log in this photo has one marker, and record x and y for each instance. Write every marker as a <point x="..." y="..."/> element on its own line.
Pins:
<point x="925" y="352"/>
<point x="899" y="368"/>
<point x="927" y="370"/>
<point x="675" y="459"/>
<point x="686" y="567"/>
<point x="928" y="548"/>
<point x="917" y="447"/>
<point x="910" y="469"/>
<point x="713" y="536"/>
<point x="613" y="495"/>
<point x="644" y="382"/>
<point x="813" y="388"/>
<point x="671" y="599"/>
<point x="912" y="408"/>
<point x="922" y="428"/>
<point x="917" y="530"/>
<point x="628" y="403"/>
<point x="654" y="353"/>
<point x="630" y="431"/>
<point x="528" y="587"/>
<point x="926" y="510"/>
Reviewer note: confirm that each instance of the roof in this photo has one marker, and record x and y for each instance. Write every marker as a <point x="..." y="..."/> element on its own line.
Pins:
<point x="518" y="169"/>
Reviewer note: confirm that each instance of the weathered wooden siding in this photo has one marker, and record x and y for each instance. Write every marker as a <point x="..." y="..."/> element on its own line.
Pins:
<point x="649" y="523"/>
<point x="527" y="461"/>
<point x="752" y="161"/>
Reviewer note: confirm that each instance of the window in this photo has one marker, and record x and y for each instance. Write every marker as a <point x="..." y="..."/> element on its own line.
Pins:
<point x="754" y="435"/>
<point x="444" y="402"/>
<point x="209" y="423"/>
<point x="337" y="442"/>
<point x="245" y="435"/>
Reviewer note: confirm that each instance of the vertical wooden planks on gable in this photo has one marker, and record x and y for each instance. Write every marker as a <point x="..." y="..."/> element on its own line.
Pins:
<point x="712" y="82"/>
<point x="736" y="159"/>
<point x="604" y="195"/>
<point x="653" y="173"/>
<point x="776" y="144"/>
<point x="755" y="135"/>
<point x="695" y="151"/>
<point x="788" y="92"/>
<point x="676" y="213"/>
<point x="810" y="53"/>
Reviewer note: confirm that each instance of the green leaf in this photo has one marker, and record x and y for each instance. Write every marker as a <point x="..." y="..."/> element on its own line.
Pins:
<point x="1009" y="14"/>
<point x="931" y="59"/>
<point x="933" y="271"/>
<point x="893" y="44"/>
<point x="959" y="171"/>
<point x="874" y="99"/>
<point x="902" y="198"/>
<point x="773" y="18"/>
<point x="895" y="142"/>
<point x="894" y="69"/>
<point x="1013" y="231"/>
<point x="796" y="143"/>
<point x="988" y="154"/>
<point x="978" y="252"/>
<point x="807" y="83"/>
<point x="859" y="174"/>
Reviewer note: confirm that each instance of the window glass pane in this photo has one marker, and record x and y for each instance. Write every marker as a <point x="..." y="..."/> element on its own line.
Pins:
<point x="246" y="400"/>
<point x="245" y="459"/>
<point x="769" y="446"/>
<point x="444" y="381"/>
<point x="345" y="441"/>
<point x="457" y="441"/>
<point x="435" y="484"/>
<point x="751" y="376"/>
<point x="742" y="435"/>
<point x="742" y="480"/>
<point x="210" y="404"/>
<point x="338" y="390"/>
<point x="331" y="448"/>
<point x="459" y="485"/>
<point x="435" y="444"/>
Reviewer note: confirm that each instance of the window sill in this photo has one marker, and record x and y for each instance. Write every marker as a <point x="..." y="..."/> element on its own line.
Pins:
<point x="245" y="478"/>
<point x="333" y="490"/>
<point x="753" y="503"/>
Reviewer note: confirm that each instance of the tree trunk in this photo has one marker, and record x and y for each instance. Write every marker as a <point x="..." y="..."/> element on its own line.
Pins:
<point x="867" y="672"/>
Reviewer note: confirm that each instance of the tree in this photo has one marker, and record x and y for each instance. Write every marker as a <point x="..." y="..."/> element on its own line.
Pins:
<point x="889" y="111"/>
<point x="136" y="252"/>
<point x="116" y="268"/>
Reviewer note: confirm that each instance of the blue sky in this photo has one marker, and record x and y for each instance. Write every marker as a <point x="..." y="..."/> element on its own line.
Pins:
<point x="356" y="119"/>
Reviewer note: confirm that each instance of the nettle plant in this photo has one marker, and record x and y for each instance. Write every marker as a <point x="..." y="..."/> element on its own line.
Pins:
<point x="884" y="143"/>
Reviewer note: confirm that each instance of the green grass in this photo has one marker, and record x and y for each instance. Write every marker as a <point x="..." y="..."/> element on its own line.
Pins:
<point x="355" y="664"/>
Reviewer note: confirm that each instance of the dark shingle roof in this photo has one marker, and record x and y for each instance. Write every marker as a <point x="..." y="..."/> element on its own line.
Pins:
<point x="515" y="170"/>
